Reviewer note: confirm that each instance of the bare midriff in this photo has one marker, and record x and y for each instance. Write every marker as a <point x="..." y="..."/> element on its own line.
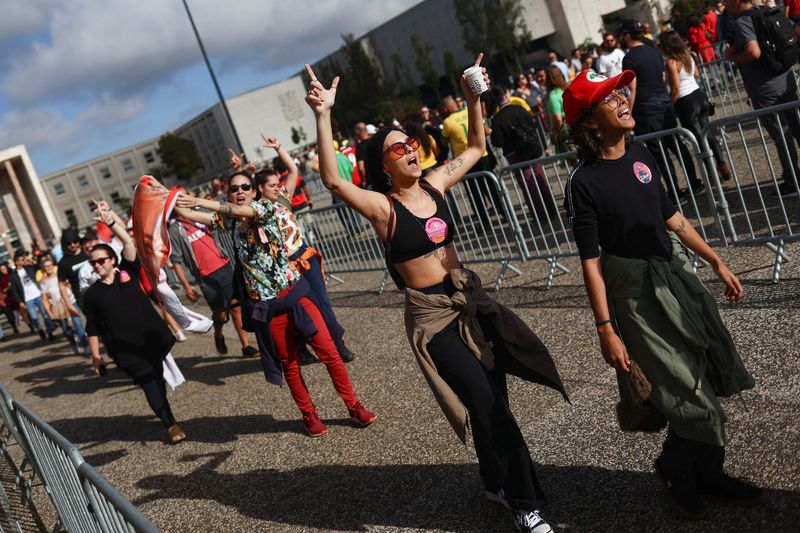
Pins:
<point x="429" y="269"/>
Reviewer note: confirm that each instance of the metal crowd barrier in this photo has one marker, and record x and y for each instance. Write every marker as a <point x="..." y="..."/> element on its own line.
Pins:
<point x="84" y="501"/>
<point x="754" y="211"/>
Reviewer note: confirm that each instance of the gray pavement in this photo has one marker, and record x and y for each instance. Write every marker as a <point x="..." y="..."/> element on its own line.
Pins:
<point x="248" y="466"/>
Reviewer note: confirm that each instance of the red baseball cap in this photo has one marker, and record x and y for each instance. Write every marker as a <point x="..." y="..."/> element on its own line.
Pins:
<point x="588" y="88"/>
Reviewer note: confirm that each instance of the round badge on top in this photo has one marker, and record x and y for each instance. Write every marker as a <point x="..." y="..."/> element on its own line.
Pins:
<point x="642" y="172"/>
<point x="436" y="228"/>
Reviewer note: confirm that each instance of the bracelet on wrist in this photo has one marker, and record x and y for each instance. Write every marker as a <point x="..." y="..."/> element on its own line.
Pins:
<point x="601" y="323"/>
<point x="112" y="224"/>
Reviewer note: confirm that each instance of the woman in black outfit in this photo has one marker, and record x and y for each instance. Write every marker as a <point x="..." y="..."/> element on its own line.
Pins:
<point x="463" y="356"/>
<point x="118" y="312"/>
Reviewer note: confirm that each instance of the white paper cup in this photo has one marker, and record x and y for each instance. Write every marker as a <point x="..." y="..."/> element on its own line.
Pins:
<point x="475" y="81"/>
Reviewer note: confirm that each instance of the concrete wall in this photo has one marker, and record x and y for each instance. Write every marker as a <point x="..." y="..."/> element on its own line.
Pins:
<point x="578" y="20"/>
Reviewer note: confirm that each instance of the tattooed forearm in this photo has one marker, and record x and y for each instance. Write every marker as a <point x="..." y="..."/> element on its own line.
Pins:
<point x="453" y="165"/>
<point x="225" y="209"/>
<point x="681" y="226"/>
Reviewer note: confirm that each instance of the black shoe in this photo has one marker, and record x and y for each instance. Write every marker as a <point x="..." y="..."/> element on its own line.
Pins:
<point x="3" y="339"/>
<point x="219" y="343"/>
<point x="249" y="351"/>
<point x="681" y="492"/>
<point x="345" y="353"/>
<point x="42" y="334"/>
<point x="304" y="357"/>
<point x="786" y="190"/>
<point x="51" y="337"/>
<point x="734" y="491"/>
<point x="699" y="190"/>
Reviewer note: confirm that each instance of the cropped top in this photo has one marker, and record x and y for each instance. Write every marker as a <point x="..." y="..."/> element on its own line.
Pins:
<point x="414" y="236"/>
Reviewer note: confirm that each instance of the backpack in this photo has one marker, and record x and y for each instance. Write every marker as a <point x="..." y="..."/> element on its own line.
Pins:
<point x="776" y="38"/>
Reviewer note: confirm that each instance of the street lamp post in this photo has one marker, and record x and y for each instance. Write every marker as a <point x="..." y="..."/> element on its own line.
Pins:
<point x="214" y="80"/>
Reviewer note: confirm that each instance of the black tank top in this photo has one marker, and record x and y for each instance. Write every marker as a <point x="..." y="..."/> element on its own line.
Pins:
<point x="414" y="236"/>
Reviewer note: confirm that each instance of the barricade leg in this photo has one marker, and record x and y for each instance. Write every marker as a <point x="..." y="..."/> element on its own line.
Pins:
<point x="551" y="274"/>
<point x="780" y="256"/>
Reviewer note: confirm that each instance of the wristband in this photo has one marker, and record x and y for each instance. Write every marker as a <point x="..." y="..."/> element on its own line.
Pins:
<point x="112" y="224"/>
<point x="602" y="323"/>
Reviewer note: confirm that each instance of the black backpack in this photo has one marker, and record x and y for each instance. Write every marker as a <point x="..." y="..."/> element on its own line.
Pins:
<point x="776" y="38"/>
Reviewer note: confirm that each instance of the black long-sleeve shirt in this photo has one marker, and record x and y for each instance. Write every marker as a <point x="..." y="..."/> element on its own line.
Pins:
<point x="620" y="206"/>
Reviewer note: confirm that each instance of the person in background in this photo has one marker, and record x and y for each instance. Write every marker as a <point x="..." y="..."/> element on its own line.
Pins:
<point x="523" y="90"/>
<point x="710" y="21"/>
<point x="647" y="33"/>
<point x="8" y="305"/>
<point x="428" y="151"/>
<point x="673" y="360"/>
<point x="555" y="109"/>
<point x="691" y="104"/>
<point x="26" y="291"/>
<point x="363" y="132"/>
<point x="609" y="63"/>
<point x="554" y="62"/>
<point x="56" y="308"/>
<point x="697" y="34"/>
<point x="791" y="8"/>
<point x="575" y="61"/>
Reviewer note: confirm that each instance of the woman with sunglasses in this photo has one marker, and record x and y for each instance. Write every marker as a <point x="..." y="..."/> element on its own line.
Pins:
<point x="658" y="325"/>
<point x="463" y="355"/>
<point x="282" y="301"/>
<point x="134" y="334"/>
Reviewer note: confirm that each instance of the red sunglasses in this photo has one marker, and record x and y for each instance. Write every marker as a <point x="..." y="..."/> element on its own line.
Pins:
<point x="398" y="149"/>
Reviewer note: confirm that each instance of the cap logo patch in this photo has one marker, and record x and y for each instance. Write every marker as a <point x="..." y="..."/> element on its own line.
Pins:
<point x="642" y="172"/>
<point x="594" y="77"/>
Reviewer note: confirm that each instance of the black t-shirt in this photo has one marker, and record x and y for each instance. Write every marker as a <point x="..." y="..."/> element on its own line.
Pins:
<point x="620" y="206"/>
<point x="135" y="335"/>
<point x="651" y="89"/>
<point x="66" y="271"/>
<point x="514" y="131"/>
<point x="361" y="151"/>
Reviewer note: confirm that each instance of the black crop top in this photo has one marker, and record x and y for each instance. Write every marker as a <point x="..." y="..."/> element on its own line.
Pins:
<point x="414" y="236"/>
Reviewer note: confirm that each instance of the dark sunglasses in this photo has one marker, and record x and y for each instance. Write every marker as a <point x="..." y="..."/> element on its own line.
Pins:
<point x="98" y="261"/>
<point x="244" y="187"/>
<point x="398" y="149"/>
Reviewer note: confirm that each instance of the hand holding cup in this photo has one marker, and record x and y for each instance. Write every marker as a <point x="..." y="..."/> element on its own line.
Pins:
<point x="475" y="80"/>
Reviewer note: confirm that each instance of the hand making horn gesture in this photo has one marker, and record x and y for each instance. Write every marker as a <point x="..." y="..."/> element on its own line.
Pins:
<point x="320" y="99"/>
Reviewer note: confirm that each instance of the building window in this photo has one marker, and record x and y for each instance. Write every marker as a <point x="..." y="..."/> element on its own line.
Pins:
<point x="127" y="165"/>
<point x="148" y="157"/>
<point x="106" y="173"/>
<point x="115" y="197"/>
<point x="71" y="218"/>
<point x="83" y="181"/>
<point x="59" y="189"/>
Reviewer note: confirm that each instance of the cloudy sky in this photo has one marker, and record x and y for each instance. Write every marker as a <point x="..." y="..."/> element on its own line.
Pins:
<point x="79" y="78"/>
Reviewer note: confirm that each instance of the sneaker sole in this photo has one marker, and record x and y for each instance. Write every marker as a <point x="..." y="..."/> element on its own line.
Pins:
<point x="359" y="424"/>
<point x="686" y="515"/>
<point x="494" y="498"/>
<point x="317" y="435"/>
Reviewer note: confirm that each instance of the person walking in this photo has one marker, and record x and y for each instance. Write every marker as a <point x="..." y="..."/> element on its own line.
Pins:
<point x="657" y="324"/>
<point x="56" y="307"/>
<point x="463" y="356"/>
<point x="27" y="292"/>
<point x="609" y="63"/>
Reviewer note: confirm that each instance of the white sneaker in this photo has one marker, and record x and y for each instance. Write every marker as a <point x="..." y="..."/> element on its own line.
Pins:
<point x="531" y="522"/>
<point x="180" y="336"/>
<point x="498" y="497"/>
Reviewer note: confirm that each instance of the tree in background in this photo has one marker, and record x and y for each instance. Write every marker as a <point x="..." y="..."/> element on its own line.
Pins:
<point x="179" y="157"/>
<point x="494" y="27"/>
<point x="424" y="63"/>
<point x="451" y="70"/>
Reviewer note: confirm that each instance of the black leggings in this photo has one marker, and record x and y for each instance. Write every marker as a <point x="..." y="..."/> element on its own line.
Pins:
<point x="704" y="461"/>
<point x="155" y="390"/>
<point x="693" y="110"/>
<point x="503" y="457"/>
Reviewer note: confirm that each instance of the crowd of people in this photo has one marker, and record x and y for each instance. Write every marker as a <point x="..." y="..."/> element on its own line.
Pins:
<point x="242" y="245"/>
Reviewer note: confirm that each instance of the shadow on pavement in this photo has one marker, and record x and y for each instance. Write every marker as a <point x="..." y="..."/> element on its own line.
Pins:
<point x="442" y="497"/>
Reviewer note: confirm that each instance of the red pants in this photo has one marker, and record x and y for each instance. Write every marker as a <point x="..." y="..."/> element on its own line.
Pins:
<point x="283" y="333"/>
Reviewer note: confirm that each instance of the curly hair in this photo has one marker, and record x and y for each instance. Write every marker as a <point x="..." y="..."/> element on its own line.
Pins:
<point x="589" y="141"/>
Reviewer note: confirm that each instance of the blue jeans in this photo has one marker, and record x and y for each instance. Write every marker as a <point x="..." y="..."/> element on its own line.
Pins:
<point x="35" y="308"/>
<point x="78" y="329"/>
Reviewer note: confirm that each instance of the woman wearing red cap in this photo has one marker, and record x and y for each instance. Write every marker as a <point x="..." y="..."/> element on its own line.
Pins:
<point x="658" y="326"/>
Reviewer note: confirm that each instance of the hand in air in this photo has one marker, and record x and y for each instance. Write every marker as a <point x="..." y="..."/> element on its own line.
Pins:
<point x="235" y="160"/>
<point x="468" y="94"/>
<point x="271" y="142"/>
<point x="186" y="201"/>
<point x="320" y="99"/>
<point x="103" y="212"/>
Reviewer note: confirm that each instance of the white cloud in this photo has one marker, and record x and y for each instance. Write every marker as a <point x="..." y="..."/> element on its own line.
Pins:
<point x="111" y="111"/>
<point x="35" y="128"/>
<point x="23" y="17"/>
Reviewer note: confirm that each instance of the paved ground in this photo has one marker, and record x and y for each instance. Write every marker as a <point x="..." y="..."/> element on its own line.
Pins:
<point x="248" y="466"/>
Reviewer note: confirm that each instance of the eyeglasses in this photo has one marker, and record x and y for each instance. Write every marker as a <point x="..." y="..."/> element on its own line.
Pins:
<point x="244" y="187"/>
<point x="617" y="97"/>
<point x="398" y="149"/>
<point x="72" y="243"/>
<point x="98" y="261"/>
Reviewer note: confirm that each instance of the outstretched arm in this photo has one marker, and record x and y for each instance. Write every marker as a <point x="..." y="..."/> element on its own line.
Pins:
<point x="370" y="204"/>
<point x="287" y="160"/>
<point x="692" y="240"/>
<point x="227" y="209"/>
<point x="448" y="175"/>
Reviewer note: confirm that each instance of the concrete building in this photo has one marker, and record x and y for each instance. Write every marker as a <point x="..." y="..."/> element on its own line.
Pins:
<point x="24" y="213"/>
<point x="110" y="177"/>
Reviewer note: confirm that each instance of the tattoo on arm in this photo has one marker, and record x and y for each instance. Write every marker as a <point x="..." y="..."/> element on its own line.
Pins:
<point x="681" y="226"/>
<point x="225" y="209"/>
<point x="453" y="165"/>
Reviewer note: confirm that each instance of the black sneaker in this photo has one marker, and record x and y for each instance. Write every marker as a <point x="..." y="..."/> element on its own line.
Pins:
<point x="681" y="492"/>
<point x="249" y="351"/>
<point x="786" y="190"/>
<point x="531" y="522"/>
<point x="734" y="491"/>
<point x="345" y="353"/>
<point x="42" y="334"/>
<point x="304" y="357"/>
<point x="700" y="190"/>
<point x="219" y="343"/>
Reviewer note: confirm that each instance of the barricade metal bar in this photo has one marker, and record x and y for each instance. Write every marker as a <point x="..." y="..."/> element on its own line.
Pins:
<point x="113" y="511"/>
<point x="58" y="461"/>
<point x="21" y="480"/>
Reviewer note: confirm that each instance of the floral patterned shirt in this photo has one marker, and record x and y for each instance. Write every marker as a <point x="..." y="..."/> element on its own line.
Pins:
<point x="288" y="224"/>
<point x="266" y="267"/>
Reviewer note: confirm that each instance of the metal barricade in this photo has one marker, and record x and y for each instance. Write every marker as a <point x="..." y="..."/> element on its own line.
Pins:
<point x="58" y="462"/>
<point x="11" y="436"/>
<point x="114" y="513"/>
<point x="722" y="83"/>
<point x="762" y="157"/>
